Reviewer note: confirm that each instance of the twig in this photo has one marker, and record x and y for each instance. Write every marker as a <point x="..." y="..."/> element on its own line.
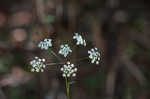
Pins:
<point x="132" y="68"/>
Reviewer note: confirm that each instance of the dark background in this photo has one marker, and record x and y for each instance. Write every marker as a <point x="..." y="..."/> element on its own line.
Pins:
<point x="119" y="28"/>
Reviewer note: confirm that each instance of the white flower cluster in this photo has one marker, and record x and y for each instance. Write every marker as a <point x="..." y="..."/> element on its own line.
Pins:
<point x="45" y="44"/>
<point x="64" y="50"/>
<point x="69" y="70"/>
<point x="94" y="55"/>
<point x="80" y="40"/>
<point x="37" y="65"/>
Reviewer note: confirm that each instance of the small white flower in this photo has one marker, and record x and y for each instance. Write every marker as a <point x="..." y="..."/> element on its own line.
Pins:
<point x="94" y="55"/>
<point x="80" y="40"/>
<point x="47" y="43"/>
<point x="37" y="65"/>
<point x="68" y="70"/>
<point x="64" y="50"/>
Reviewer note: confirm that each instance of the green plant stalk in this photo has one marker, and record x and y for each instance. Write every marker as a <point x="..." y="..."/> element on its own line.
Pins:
<point x="67" y="88"/>
<point x="55" y="55"/>
<point x="74" y="47"/>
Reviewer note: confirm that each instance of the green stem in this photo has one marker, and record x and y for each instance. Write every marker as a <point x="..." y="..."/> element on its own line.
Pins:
<point x="67" y="88"/>
<point x="49" y="64"/>
<point x="55" y="55"/>
<point x="74" y="47"/>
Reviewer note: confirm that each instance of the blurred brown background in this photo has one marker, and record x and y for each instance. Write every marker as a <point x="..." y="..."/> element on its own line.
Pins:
<point x="119" y="28"/>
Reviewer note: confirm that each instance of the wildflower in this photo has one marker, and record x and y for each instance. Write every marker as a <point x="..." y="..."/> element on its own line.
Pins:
<point x="80" y="40"/>
<point x="45" y="44"/>
<point x="64" y="50"/>
<point x="69" y="70"/>
<point x="94" y="55"/>
<point x="37" y="65"/>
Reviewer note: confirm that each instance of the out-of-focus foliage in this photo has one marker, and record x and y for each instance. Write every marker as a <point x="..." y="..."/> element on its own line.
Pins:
<point x="118" y="28"/>
<point x="49" y="19"/>
<point x="94" y="80"/>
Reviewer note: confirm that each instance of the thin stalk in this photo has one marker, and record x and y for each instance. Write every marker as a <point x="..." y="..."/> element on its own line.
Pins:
<point x="67" y="88"/>
<point x="55" y="55"/>
<point x="82" y="59"/>
<point x="50" y="64"/>
<point x="74" y="47"/>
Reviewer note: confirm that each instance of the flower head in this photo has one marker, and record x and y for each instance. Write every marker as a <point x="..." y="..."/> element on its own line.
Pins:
<point x="80" y="40"/>
<point x="94" y="55"/>
<point x="45" y="44"/>
<point x="64" y="50"/>
<point x="69" y="70"/>
<point x="37" y="64"/>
